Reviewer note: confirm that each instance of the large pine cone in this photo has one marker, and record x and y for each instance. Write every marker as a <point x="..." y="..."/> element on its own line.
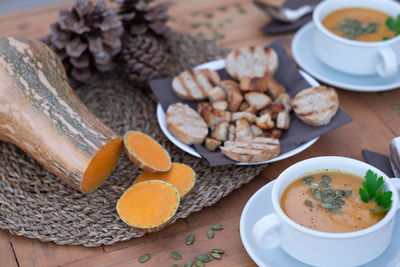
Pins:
<point x="144" y="57"/>
<point x="141" y="17"/>
<point x="86" y="38"/>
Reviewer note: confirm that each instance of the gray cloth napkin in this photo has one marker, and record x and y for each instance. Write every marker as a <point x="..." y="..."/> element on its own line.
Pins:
<point x="276" y="27"/>
<point x="288" y="75"/>
<point x="379" y="161"/>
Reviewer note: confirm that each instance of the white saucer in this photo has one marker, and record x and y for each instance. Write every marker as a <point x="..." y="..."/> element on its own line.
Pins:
<point x="304" y="53"/>
<point x="217" y="65"/>
<point x="260" y="204"/>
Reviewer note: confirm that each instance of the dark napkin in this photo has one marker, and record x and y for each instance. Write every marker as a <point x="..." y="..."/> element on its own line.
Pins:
<point x="276" y="27"/>
<point x="288" y="75"/>
<point x="379" y="161"/>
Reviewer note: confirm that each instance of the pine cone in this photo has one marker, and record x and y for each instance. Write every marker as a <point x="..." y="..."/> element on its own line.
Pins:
<point x="140" y="17"/>
<point x="86" y="38"/>
<point x="144" y="58"/>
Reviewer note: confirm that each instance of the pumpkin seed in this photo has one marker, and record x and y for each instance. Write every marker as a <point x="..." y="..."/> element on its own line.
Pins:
<point x="144" y="258"/>
<point x="348" y="193"/>
<point x="326" y="179"/>
<point x="174" y="265"/>
<point x="190" y="239"/>
<point x="209" y="15"/>
<point x="340" y="193"/>
<point x="324" y="184"/>
<point x="326" y="205"/>
<point x="222" y="8"/>
<point x="317" y="195"/>
<point x="199" y="263"/>
<point x="175" y="255"/>
<point x="217" y="227"/>
<point x="308" y="179"/>
<point x="308" y="203"/>
<point x="219" y="251"/>
<point x="189" y="263"/>
<point x="204" y="258"/>
<point x="313" y="184"/>
<point x="210" y="233"/>
<point x="216" y="255"/>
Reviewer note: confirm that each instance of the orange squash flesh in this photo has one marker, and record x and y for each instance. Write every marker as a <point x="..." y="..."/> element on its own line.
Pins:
<point x="102" y="165"/>
<point x="148" y="206"/>
<point x="146" y="152"/>
<point x="180" y="175"/>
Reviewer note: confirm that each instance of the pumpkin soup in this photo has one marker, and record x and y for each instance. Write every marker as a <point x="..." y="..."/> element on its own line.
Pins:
<point x="329" y="202"/>
<point x="360" y="24"/>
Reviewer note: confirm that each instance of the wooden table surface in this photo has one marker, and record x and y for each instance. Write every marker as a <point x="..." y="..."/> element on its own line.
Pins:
<point x="376" y="121"/>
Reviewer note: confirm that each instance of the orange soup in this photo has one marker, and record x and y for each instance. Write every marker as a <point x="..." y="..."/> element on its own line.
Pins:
<point x="360" y="24"/>
<point x="337" y="208"/>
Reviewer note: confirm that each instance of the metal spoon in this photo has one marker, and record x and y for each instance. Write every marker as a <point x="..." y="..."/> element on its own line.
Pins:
<point x="394" y="155"/>
<point x="283" y="14"/>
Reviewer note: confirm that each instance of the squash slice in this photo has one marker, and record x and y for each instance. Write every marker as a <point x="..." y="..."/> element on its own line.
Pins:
<point x="180" y="175"/>
<point x="148" y="206"/>
<point x="146" y="153"/>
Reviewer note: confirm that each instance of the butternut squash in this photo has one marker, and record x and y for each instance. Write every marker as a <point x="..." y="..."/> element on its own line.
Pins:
<point x="146" y="153"/>
<point x="41" y="114"/>
<point x="148" y="206"/>
<point x="180" y="175"/>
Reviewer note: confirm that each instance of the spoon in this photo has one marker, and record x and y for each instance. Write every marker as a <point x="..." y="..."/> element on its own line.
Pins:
<point x="394" y="155"/>
<point x="283" y="14"/>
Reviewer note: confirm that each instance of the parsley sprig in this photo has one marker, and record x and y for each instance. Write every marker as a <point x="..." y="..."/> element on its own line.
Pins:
<point x="372" y="188"/>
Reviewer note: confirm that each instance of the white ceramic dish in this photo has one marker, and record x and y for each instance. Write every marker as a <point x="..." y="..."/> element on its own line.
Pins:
<point x="217" y="65"/>
<point x="260" y="204"/>
<point x="304" y="53"/>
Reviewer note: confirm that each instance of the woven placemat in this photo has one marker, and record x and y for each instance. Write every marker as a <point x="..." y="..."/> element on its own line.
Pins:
<point x="36" y="204"/>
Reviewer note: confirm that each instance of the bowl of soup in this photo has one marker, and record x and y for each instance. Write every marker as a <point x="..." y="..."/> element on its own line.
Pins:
<point x="351" y="36"/>
<point x="319" y="217"/>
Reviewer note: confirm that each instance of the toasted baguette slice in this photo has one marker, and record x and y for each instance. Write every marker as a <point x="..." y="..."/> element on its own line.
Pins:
<point x="212" y="144"/>
<point x="274" y="87"/>
<point x="232" y="132"/>
<point x="257" y="131"/>
<point x="250" y="117"/>
<point x="251" y="149"/>
<point x="243" y="128"/>
<point x="194" y="84"/>
<point x="216" y="94"/>
<point x="283" y="120"/>
<point x="230" y="85"/>
<point x="259" y="100"/>
<point x="186" y="124"/>
<point x="220" y="131"/>
<point x="265" y="121"/>
<point x="221" y="104"/>
<point x="316" y="105"/>
<point x="234" y="100"/>
<point x="251" y="61"/>
<point x="259" y="84"/>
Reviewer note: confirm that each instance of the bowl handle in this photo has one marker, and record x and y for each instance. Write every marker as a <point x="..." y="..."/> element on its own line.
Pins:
<point x="388" y="66"/>
<point x="266" y="231"/>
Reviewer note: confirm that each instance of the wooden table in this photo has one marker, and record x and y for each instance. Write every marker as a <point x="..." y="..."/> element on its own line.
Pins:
<point x="376" y="121"/>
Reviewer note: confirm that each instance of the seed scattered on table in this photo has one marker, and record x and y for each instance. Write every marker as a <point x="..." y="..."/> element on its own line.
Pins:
<point x="204" y="258"/>
<point x="217" y="226"/>
<point x="144" y="258"/>
<point x="175" y="255"/>
<point x="216" y="255"/>
<point x="190" y="239"/>
<point x="210" y="233"/>
<point x="199" y="263"/>
<point x="219" y="251"/>
<point x="189" y="263"/>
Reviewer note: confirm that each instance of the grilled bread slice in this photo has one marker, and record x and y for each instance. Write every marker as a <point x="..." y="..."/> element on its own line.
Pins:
<point x="186" y="124"/>
<point x="251" y="61"/>
<point x="316" y="105"/>
<point x="194" y="84"/>
<point x="257" y="99"/>
<point x="251" y="149"/>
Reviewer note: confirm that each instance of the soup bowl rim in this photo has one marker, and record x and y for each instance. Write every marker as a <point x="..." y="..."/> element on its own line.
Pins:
<point x="346" y="3"/>
<point x="315" y="162"/>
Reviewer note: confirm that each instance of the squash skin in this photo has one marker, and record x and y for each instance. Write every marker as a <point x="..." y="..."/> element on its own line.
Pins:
<point x="40" y="113"/>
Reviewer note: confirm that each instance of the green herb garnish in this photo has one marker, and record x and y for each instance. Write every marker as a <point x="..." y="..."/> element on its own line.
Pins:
<point x="353" y="28"/>
<point x="395" y="106"/>
<point x="372" y="188"/>
<point x="393" y="24"/>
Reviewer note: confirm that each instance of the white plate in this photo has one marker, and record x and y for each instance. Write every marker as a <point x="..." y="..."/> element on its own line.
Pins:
<point x="304" y="53"/>
<point x="260" y="204"/>
<point x="217" y="65"/>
